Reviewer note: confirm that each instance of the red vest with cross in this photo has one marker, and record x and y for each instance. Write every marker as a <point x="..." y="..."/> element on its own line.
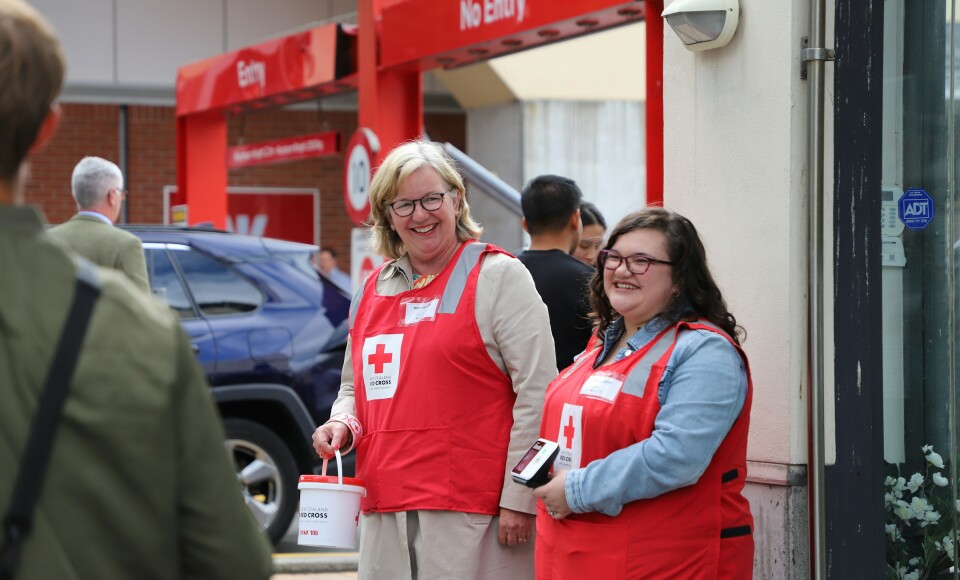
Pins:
<point x="702" y="531"/>
<point x="436" y="409"/>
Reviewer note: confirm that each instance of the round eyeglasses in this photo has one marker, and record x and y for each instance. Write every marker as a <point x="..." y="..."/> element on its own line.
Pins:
<point x="636" y="263"/>
<point x="429" y="202"/>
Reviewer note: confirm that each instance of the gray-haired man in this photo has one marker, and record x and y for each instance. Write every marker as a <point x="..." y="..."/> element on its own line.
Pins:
<point x="97" y="186"/>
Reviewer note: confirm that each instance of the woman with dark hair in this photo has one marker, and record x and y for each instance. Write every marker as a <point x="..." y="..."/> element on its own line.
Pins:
<point x="591" y="238"/>
<point x="652" y="421"/>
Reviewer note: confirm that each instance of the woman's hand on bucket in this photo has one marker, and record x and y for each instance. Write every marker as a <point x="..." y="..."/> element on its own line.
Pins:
<point x="330" y="436"/>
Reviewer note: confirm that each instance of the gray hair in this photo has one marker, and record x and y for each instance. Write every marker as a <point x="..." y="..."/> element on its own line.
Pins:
<point x="92" y="178"/>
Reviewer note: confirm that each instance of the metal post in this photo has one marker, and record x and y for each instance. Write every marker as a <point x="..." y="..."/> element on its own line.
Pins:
<point x="815" y="58"/>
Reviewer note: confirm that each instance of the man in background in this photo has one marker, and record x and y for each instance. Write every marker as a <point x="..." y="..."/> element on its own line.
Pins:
<point x="551" y="215"/>
<point x="137" y="484"/>
<point x="97" y="187"/>
<point x="325" y="261"/>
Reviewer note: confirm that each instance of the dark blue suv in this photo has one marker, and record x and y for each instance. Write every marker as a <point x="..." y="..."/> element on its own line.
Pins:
<point x="270" y="333"/>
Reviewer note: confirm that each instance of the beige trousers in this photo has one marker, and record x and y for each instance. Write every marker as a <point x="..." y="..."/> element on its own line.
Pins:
<point x="438" y="545"/>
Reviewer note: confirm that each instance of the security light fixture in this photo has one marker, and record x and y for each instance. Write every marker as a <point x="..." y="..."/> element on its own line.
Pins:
<point x="703" y="24"/>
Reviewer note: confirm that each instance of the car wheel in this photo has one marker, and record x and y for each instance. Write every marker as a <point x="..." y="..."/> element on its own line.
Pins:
<point x="266" y="472"/>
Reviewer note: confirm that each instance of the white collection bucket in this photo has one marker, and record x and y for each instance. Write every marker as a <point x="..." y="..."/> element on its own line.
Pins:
<point x="330" y="509"/>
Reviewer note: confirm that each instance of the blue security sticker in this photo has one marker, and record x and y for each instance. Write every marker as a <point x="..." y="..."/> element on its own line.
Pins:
<point x="915" y="209"/>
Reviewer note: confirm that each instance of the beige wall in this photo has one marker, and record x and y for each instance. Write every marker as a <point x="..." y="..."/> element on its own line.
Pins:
<point x="735" y="146"/>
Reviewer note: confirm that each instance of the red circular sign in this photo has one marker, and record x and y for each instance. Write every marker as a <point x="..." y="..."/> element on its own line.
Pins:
<point x="358" y="168"/>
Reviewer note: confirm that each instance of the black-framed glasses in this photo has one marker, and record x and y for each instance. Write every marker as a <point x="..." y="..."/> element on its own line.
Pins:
<point x="429" y="202"/>
<point x="636" y="263"/>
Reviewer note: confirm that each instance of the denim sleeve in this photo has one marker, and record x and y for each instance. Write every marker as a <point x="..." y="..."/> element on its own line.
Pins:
<point x="702" y="392"/>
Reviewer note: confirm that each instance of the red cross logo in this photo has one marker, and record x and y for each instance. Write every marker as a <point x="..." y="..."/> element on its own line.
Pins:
<point x="568" y="432"/>
<point x="379" y="358"/>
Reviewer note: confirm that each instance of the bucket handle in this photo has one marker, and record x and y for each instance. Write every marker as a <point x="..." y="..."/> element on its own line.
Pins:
<point x="339" y="469"/>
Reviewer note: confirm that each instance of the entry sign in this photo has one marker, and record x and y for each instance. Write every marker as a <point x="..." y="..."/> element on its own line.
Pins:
<point x="361" y="152"/>
<point x="915" y="209"/>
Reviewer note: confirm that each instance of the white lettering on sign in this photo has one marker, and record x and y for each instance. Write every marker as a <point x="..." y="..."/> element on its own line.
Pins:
<point x="251" y="73"/>
<point x="243" y="226"/>
<point x="473" y="13"/>
<point x="917" y="209"/>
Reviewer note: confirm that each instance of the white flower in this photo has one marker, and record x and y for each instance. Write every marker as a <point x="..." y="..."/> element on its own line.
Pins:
<point x="903" y="511"/>
<point x="926" y="449"/>
<point x="893" y="531"/>
<point x="913" y="561"/>
<point x="915" y="575"/>
<point x="939" y="479"/>
<point x="934" y="458"/>
<point x="948" y="546"/>
<point x="916" y="481"/>
<point x="919" y="504"/>
<point x="928" y="517"/>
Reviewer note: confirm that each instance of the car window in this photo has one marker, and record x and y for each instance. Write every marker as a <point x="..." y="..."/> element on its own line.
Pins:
<point x="216" y="288"/>
<point x="165" y="283"/>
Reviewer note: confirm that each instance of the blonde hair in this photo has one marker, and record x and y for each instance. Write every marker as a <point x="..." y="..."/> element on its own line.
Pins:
<point x="31" y="71"/>
<point x="402" y="162"/>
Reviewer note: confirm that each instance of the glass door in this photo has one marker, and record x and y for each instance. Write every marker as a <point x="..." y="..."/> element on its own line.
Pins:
<point x="920" y="245"/>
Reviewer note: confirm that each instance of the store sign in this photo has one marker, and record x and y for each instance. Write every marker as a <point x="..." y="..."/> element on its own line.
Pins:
<point x="455" y="32"/>
<point x="284" y="150"/>
<point x="474" y="13"/>
<point x="274" y="68"/>
<point x="287" y="214"/>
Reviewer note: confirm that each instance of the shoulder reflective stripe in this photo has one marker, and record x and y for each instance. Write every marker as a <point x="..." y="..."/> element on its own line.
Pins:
<point x="458" y="278"/>
<point x="636" y="381"/>
<point x="355" y="302"/>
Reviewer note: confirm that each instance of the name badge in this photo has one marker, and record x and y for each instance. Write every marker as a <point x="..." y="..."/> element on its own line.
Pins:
<point x="602" y="386"/>
<point x="416" y="311"/>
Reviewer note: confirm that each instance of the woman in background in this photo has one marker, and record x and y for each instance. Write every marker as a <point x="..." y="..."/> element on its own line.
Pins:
<point x="591" y="240"/>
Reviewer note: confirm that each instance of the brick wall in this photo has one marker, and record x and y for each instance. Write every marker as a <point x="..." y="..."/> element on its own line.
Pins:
<point x="94" y="130"/>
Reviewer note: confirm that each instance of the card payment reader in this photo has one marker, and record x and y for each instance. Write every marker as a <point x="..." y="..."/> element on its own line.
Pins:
<point x="532" y="470"/>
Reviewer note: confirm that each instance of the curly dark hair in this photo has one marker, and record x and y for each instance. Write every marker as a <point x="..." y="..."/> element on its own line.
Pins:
<point x="699" y="297"/>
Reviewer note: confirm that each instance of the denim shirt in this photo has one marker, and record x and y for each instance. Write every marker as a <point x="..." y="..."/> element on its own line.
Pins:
<point x="701" y="394"/>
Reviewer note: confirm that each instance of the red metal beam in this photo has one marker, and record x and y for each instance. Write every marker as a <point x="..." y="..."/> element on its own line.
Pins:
<point x="390" y="101"/>
<point x="425" y="34"/>
<point x="654" y="124"/>
<point x="280" y="71"/>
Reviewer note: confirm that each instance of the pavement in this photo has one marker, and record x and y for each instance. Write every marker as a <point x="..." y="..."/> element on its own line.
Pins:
<point x="327" y="576"/>
<point x="292" y="561"/>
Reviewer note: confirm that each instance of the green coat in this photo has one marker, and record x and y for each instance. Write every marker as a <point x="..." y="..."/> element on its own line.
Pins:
<point x="104" y="245"/>
<point x="139" y="486"/>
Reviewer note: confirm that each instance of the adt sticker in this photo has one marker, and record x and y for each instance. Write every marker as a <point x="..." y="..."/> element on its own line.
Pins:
<point x="915" y="209"/>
